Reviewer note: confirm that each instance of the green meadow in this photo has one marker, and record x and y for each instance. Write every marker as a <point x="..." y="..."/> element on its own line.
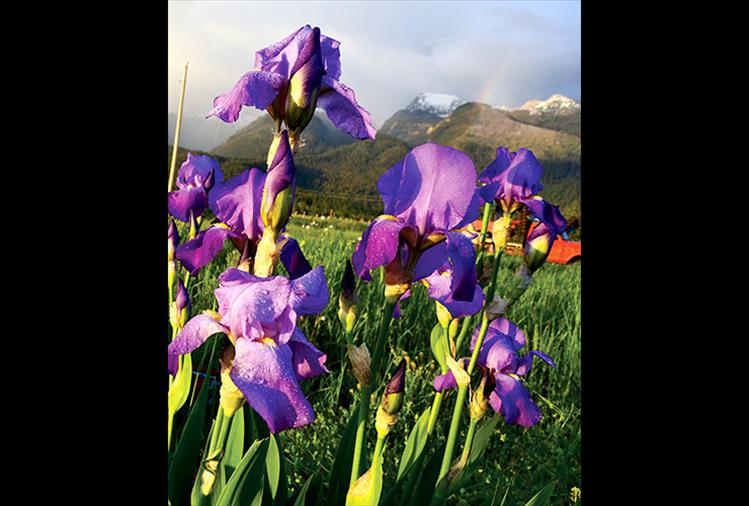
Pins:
<point x="518" y="462"/>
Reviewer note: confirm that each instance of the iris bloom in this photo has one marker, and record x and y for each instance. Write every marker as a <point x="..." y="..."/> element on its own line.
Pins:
<point x="499" y="355"/>
<point x="454" y="284"/>
<point x="514" y="179"/>
<point x="195" y="178"/>
<point x="427" y="195"/>
<point x="272" y="355"/>
<point x="238" y="203"/>
<point x="290" y="79"/>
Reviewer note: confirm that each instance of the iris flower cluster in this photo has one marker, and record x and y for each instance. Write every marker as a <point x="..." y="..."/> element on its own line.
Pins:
<point x="424" y="236"/>
<point x="258" y="311"/>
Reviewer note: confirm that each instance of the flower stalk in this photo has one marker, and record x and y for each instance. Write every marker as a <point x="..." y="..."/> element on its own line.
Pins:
<point x="366" y="391"/>
<point x="463" y="389"/>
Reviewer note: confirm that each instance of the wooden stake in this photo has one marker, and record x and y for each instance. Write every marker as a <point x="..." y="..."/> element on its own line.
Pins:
<point x="176" y="133"/>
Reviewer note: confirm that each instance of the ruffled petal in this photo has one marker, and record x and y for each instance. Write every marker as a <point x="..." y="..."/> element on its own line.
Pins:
<point x="499" y="165"/>
<point x="194" y="333"/>
<point x="432" y="188"/>
<point x="547" y="213"/>
<point x="181" y="202"/>
<point x="308" y="361"/>
<point x="524" y="367"/>
<point x="293" y="259"/>
<point x="197" y="253"/>
<point x="256" y="88"/>
<point x="309" y="293"/>
<point x="339" y="103"/>
<point x="196" y="169"/>
<point x="378" y="245"/>
<point x="236" y="203"/>
<point x="266" y="376"/>
<point x="257" y="307"/>
<point x="514" y="402"/>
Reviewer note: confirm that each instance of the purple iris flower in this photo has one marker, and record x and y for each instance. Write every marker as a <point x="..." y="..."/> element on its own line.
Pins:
<point x="454" y="284"/>
<point x="499" y="354"/>
<point x="272" y="354"/>
<point x="195" y="178"/>
<point x="298" y="73"/>
<point x="237" y="204"/>
<point x="514" y="179"/>
<point x="426" y="195"/>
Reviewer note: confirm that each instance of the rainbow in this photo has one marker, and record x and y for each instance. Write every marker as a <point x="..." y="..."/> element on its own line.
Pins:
<point x="486" y="91"/>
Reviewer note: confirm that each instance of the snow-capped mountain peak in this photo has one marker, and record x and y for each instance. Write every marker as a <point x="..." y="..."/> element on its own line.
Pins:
<point x="436" y="103"/>
<point x="555" y="103"/>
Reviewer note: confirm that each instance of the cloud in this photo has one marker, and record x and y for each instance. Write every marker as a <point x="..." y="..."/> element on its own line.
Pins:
<point x="499" y="52"/>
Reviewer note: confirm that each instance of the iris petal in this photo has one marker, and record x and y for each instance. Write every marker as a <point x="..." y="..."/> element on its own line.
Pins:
<point x="266" y="376"/>
<point x="339" y="103"/>
<point x="194" y="333"/>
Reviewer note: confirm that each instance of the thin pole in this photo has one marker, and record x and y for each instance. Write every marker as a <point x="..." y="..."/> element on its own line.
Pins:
<point x="176" y="133"/>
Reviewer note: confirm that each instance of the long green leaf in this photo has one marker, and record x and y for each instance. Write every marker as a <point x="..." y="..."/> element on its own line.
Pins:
<point x="197" y="498"/>
<point x="234" y="445"/>
<point x="415" y="444"/>
<point x="180" y="389"/>
<point x="184" y="463"/>
<point x="543" y="496"/>
<point x="301" y="497"/>
<point x="273" y="466"/>
<point x="482" y="438"/>
<point x="437" y="342"/>
<point x="338" y="481"/>
<point x="246" y="483"/>
<point x="424" y="489"/>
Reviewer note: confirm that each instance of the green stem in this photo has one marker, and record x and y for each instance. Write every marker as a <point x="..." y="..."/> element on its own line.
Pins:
<point x="463" y="333"/>
<point x="463" y="389"/>
<point x="469" y="440"/>
<point x="387" y="317"/>
<point x="366" y="391"/>
<point x="378" y="450"/>
<point x="436" y="404"/>
<point x="488" y="211"/>
<point x="362" y="412"/>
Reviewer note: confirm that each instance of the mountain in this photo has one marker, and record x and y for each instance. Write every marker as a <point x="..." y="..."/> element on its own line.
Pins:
<point x="201" y="133"/>
<point x="339" y="174"/>
<point x="252" y="141"/>
<point x="557" y="112"/>
<point x="411" y="125"/>
<point x="478" y="129"/>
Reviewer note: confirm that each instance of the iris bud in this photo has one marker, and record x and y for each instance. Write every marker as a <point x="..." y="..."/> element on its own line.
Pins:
<point x="537" y="247"/>
<point x="304" y="85"/>
<point x="173" y="241"/>
<point x="392" y="401"/>
<point x="280" y="186"/>
<point x="348" y="299"/>
<point x="182" y="304"/>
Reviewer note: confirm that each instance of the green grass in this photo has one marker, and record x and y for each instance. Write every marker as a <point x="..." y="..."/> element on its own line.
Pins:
<point x="519" y="461"/>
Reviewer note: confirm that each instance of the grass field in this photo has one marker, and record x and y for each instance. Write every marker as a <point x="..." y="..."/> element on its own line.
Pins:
<point x="518" y="462"/>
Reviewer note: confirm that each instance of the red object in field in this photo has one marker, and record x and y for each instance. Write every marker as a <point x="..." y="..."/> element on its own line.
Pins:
<point x="562" y="251"/>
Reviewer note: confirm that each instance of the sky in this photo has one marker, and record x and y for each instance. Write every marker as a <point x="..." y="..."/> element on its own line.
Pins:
<point x="495" y="52"/>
